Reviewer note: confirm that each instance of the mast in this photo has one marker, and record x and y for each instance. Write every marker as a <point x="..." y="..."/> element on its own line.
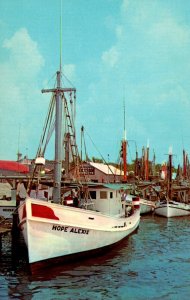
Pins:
<point x="147" y="162"/>
<point x="184" y="164"/>
<point x="58" y="138"/>
<point x="143" y="163"/>
<point x="124" y="151"/>
<point x="154" y="164"/>
<point x="58" y="142"/>
<point x="136" y="163"/>
<point x="124" y="148"/>
<point x="59" y="95"/>
<point x="170" y="176"/>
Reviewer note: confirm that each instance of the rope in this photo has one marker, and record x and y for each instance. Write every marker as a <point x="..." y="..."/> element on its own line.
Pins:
<point x="47" y="121"/>
<point x="100" y="153"/>
<point x="47" y="132"/>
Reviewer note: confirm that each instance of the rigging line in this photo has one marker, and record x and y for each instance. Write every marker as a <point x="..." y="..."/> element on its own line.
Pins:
<point x="51" y="116"/>
<point x="70" y="128"/>
<point x="70" y="117"/>
<point x="53" y="77"/>
<point x="99" y="153"/>
<point x="50" y="132"/>
<point x="44" y="130"/>
<point x="63" y="75"/>
<point x="42" y="153"/>
<point x="39" y="151"/>
<point x="51" y="105"/>
<point x="85" y="149"/>
<point x="50" y="128"/>
<point x="73" y="112"/>
<point x="129" y="151"/>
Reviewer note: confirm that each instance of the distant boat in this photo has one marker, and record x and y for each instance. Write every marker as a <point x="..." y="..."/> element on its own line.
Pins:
<point x="54" y="231"/>
<point x="169" y="207"/>
<point x="146" y="206"/>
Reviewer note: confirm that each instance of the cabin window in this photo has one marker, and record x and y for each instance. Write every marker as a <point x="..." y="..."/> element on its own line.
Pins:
<point x="111" y="195"/>
<point x="103" y="195"/>
<point x="93" y="194"/>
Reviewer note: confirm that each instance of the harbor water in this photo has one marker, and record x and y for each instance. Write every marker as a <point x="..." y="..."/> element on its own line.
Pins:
<point x="153" y="263"/>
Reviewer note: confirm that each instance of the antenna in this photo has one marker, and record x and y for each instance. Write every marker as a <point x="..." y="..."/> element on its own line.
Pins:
<point x="125" y="135"/>
<point x="61" y="36"/>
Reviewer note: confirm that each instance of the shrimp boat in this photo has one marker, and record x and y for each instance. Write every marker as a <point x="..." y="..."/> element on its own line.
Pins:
<point x="58" y="230"/>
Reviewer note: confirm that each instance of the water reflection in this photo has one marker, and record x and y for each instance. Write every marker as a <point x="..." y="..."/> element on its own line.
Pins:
<point x="154" y="261"/>
<point x="66" y="279"/>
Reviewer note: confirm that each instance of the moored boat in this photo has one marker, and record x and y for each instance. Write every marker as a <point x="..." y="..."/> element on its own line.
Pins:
<point x="171" y="208"/>
<point x="55" y="232"/>
<point x="146" y="206"/>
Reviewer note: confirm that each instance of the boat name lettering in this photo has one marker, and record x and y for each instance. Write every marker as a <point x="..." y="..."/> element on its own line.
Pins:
<point x="72" y="229"/>
<point x="79" y="230"/>
<point x="60" y="228"/>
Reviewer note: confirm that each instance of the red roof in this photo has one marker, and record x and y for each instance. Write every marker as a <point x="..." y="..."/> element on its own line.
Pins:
<point x="9" y="165"/>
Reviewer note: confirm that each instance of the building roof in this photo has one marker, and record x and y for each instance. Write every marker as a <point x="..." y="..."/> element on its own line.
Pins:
<point x="118" y="186"/>
<point x="13" y="166"/>
<point x="111" y="170"/>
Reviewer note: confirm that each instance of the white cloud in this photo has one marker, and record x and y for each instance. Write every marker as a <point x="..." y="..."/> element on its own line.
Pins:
<point x="119" y="31"/>
<point x="24" y="54"/>
<point x="111" y="56"/>
<point x="169" y="31"/>
<point x="19" y="95"/>
<point x="125" y="5"/>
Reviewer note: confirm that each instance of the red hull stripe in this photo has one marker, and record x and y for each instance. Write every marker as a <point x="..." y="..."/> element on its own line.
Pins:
<point x="137" y="206"/>
<point x="43" y="211"/>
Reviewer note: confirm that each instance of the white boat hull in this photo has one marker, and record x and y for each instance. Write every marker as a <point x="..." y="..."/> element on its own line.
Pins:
<point x="69" y="231"/>
<point x="173" y="209"/>
<point x="146" y="206"/>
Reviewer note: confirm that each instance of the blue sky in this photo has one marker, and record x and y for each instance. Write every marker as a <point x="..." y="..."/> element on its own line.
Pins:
<point x="137" y="51"/>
